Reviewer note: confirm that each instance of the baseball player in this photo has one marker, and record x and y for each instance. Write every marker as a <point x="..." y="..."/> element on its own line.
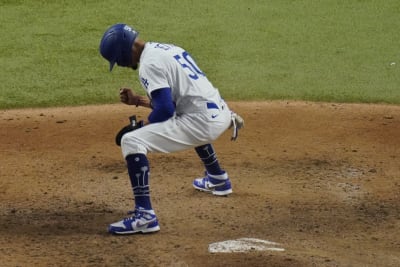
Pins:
<point x="186" y="112"/>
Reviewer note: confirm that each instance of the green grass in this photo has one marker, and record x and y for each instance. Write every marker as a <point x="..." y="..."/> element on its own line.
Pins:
<point x="326" y="50"/>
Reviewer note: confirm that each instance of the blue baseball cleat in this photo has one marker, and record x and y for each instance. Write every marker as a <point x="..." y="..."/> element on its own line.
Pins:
<point x="219" y="185"/>
<point x="142" y="221"/>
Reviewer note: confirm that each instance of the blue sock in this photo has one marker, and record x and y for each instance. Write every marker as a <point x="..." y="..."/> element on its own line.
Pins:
<point x="209" y="158"/>
<point x="139" y="172"/>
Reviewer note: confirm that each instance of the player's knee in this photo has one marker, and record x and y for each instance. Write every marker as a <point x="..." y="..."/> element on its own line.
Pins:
<point x="131" y="145"/>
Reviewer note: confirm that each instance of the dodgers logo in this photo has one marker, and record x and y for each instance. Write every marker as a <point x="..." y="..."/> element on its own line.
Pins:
<point x="145" y="82"/>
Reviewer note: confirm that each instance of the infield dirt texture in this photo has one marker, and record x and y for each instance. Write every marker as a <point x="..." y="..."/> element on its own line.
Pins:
<point x="323" y="180"/>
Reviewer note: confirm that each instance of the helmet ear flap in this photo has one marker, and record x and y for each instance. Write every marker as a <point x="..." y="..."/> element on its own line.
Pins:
<point x="124" y="58"/>
<point x="125" y="51"/>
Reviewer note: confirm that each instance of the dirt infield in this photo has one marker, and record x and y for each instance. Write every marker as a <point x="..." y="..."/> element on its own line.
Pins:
<point x="322" y="180"/>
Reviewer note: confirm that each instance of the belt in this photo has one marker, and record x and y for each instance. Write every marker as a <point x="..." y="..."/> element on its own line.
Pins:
<point x="212" y="105"/>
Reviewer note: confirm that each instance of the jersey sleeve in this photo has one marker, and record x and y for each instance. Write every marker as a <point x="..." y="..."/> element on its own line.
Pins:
<point x="163" y="106"/>
<point x="153" y="77"/>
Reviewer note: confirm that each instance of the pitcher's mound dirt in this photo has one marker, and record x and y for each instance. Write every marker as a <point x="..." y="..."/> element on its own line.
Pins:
<point x="322" y="180"/>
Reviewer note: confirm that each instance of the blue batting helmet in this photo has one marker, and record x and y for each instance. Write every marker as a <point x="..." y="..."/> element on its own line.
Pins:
<point x="116" y="45"/>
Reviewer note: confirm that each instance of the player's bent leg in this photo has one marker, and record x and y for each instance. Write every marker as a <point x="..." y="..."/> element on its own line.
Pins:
<point x="143" y="219"/>
<point x="175" y="134"/>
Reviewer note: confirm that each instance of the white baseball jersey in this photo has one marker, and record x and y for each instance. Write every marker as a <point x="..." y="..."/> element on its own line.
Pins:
<point x="166" y="65"/>
<point x="201" y="115"/>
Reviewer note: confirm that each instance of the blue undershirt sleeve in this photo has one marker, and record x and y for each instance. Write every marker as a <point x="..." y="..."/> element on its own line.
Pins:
<point x="163" y="105"/>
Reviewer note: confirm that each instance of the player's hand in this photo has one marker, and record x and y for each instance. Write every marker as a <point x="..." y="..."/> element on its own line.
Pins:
<point x="128" y="97"/>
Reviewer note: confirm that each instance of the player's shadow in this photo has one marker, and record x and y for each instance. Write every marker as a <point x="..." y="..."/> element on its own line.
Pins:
<point x="42" y="222"/>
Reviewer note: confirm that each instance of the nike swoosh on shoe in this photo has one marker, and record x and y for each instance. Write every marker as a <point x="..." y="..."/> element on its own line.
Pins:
<point x="142" y="225"/>
<point x="213" y="186"/>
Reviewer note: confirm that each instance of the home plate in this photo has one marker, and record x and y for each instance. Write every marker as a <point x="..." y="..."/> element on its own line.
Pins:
<point x="243" y="245"/>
